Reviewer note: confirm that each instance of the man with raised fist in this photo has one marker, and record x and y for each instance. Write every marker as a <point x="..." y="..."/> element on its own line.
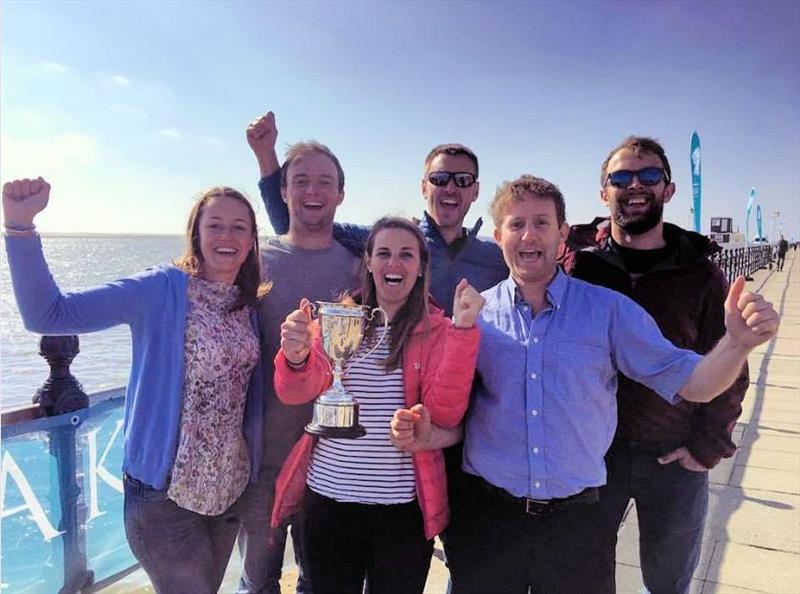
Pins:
<point x="305" y="262"/>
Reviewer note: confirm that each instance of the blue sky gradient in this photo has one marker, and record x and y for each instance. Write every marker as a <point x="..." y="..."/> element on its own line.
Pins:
<point x="130" y="109"/>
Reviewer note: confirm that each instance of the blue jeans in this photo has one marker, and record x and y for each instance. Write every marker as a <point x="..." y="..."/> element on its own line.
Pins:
<point x="180" y="550"/>
<point x="261" y="546"/>
<point x="671" y="504"/>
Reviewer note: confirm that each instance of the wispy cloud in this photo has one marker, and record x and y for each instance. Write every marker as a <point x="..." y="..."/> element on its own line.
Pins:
<point x="52" y="67"/>
<point x="122" y="81"/>
<point x="171" y="133"/>
<point x="113" y="80"/>
<point x="211" y="141"/>
<point x="205" y="139"/>
<point x="48" y="156"/>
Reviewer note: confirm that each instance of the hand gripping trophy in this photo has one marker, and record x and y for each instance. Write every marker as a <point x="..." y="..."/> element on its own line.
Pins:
<point x="342" y="327"/>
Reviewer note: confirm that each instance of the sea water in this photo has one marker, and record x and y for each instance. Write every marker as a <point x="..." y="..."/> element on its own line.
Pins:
<point x="76" y="262"/>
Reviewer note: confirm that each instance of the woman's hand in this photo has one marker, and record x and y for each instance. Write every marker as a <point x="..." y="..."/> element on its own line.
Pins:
<point x="410" y="429"/>
<point x="296" y="334"/>
<point x="23" y="199"/>
<point x="467" y="304"/>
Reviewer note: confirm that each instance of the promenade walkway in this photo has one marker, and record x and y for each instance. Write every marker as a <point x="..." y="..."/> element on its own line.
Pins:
<point x="752" y="536"/>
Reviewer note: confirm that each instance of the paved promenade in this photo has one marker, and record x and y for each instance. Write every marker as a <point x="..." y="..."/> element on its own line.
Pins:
<point x="752" y="537"/>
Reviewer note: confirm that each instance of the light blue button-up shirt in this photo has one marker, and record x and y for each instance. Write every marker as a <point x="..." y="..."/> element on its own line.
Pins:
<point x="544" y="410"/>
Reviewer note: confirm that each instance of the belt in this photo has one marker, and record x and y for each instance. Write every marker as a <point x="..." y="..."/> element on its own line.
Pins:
<point x="537" y="507"/>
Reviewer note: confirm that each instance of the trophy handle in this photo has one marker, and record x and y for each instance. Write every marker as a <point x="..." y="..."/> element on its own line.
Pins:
<point x="370" y="316"/>
<point x="313" y="310"/>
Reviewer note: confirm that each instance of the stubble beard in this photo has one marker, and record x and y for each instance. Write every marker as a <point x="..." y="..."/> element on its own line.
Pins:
<point x="640" y="223"/>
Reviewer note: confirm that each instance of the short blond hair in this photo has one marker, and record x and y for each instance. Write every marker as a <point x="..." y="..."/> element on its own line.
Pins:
<point x="307" y="147"/>
<point x="526" y="184"/>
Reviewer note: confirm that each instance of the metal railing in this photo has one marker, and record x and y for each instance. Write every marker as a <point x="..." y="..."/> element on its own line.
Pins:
<point x="744" y="261"/>
<point x="61" y="500"/>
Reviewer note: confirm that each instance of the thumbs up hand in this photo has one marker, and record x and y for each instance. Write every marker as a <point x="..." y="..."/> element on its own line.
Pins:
<point x="296" y="334"/>
<point x="750" y="320"/>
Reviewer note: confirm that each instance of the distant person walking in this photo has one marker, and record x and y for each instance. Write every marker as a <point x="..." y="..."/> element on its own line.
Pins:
<point x="193" y="404"/>
<point x="783" y="247"/>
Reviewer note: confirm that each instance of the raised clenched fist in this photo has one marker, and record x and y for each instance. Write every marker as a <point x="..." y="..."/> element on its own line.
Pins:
<point x="467" y="304"/>
<point x="23" y="199"/>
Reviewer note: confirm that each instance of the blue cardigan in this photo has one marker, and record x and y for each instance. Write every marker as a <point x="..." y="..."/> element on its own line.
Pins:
<point x="154" y="305"/>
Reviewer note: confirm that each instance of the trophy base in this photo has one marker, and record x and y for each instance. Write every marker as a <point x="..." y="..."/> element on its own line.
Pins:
<point x="336" y="432"/>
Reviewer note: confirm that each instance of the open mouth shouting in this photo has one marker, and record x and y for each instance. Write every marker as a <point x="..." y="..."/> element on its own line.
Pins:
<point x="393" y="280"/>
<point x="531" y="255"/>
<point x="448" y="203"/>
<point x="313" y="205"/>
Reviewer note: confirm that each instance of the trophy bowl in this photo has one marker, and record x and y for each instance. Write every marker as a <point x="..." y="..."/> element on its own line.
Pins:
<point x="342" y="329"/>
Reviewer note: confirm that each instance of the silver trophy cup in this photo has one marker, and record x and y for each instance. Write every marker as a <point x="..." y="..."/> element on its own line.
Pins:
<point x="342" y="327"/>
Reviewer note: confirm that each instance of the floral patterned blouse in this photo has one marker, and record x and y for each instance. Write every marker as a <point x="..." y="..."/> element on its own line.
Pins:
<point x="211" y="468"/>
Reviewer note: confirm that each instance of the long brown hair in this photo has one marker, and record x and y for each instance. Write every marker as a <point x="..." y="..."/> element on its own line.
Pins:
<point x="415" y="309"/>
<point x="251" y="289"/>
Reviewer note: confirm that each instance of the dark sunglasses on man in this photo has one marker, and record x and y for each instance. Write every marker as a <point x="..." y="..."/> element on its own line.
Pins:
<point x="462" y="179"/>
<point x="649" y="176"/>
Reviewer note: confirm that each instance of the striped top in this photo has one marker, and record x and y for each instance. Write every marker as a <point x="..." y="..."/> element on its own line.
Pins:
<point x="369" y="469"/>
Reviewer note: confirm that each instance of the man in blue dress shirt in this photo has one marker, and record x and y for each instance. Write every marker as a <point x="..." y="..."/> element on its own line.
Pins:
<point x="544" y="409"/>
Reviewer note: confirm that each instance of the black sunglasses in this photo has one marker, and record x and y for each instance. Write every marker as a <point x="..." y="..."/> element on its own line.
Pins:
<point x="649" y="176"/>
<point x="462" y="179"/>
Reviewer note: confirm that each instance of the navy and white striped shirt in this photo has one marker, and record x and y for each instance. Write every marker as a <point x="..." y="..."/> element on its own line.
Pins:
<point x="369" y="469"/>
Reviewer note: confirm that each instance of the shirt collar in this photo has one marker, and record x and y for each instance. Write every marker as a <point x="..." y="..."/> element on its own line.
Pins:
<point x="556" y="290"/>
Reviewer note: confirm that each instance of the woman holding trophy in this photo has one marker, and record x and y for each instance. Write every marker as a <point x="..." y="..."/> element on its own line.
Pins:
<point x="193" y="404"/>
<point x="371" y="510"/>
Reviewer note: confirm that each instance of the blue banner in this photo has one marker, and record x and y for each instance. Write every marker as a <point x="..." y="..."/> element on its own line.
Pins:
<point x="694" y="157"/>
<point x="759" y="225"/>
<point x="751" y="198"/>
<point x="61" y="500"/>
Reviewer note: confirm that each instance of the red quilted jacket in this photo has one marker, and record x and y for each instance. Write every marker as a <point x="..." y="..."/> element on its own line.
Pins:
<point x="438" y="367"/>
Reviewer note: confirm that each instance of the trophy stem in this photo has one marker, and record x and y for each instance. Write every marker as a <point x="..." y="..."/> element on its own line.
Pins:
<point x="338" y="386"/>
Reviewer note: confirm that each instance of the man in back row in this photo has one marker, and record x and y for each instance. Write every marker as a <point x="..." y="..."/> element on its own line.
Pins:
<point x="311" y="183"/>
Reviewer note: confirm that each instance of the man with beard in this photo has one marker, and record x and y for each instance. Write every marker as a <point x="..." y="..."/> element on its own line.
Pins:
<point x="661" y="454"/>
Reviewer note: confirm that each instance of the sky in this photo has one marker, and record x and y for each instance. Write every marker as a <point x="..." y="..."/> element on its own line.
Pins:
<point x="130" y="109"/>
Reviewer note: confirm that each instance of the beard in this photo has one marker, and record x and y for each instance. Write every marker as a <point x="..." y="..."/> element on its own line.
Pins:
<point x="639" y="223"/>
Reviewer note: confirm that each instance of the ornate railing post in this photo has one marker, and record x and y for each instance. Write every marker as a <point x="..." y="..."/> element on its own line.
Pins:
<point x="62" y="394"/>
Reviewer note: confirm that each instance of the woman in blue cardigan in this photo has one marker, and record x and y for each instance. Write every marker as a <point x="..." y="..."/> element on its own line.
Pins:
<point x="193" y="408"/>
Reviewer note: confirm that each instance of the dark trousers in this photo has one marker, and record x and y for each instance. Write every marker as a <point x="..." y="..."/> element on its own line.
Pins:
<point x="181" y="551"/>
<point x="346" y="543"/>
<point x="495" y="546"/>
<point x="261" y="546"/>
<point x="671" y="504"/>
